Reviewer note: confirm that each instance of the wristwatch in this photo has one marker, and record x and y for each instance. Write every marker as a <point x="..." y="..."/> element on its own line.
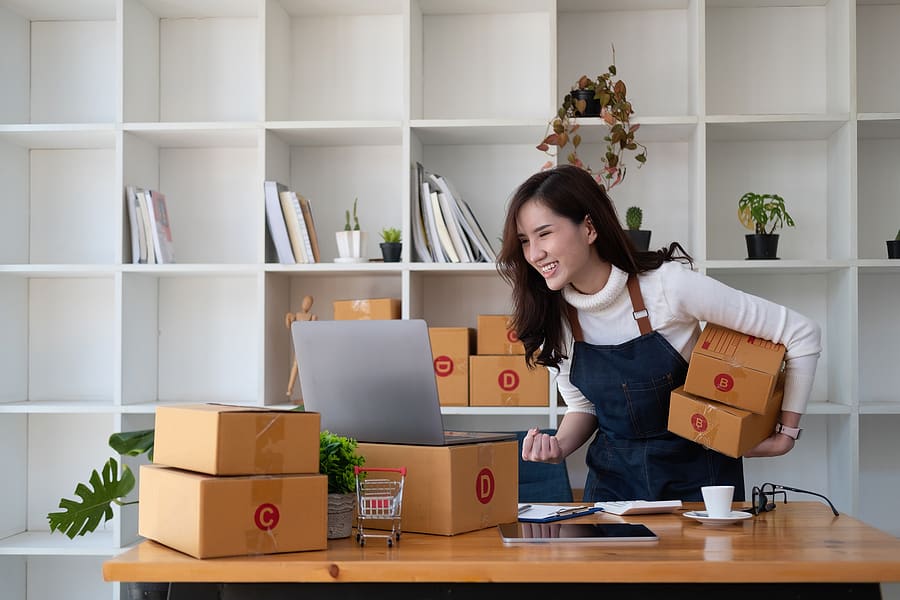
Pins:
<point x="791" y="432"/>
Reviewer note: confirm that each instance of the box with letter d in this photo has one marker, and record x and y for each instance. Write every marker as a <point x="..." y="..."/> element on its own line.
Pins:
<point x="450" y="351"/>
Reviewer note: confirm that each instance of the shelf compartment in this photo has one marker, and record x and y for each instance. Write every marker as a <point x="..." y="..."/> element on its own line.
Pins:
<point x="878" y="473"/>
<point x="338" y="60"/>
<point x="801" y="51"/>
<point x="876" y="37"/>
<point x="332" y="176"/>
<point x="816" y="189"/>
<point x="61" y="65"/>
<point x="75" y="578"/>
<point x="284" y="294"/>
<point x="191" y="61"/>
<point x="824" y="297"/>
<point x="879" y="179"/>
<point x="54" y="191"/>
<point x="58" y="339"/>
<point x="190" y="338"/>
<point x="501" y="65"/>
<point x="447" y="299"/>
<point x="879" y="328"/>
<point x="655" y="52"/>
<point x="213" y="193"/>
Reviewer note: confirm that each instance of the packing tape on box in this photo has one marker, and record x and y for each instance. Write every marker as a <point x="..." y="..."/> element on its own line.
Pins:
<point x="486" y="456"/>
<point x="266" y="507"/>
<point x="269" y="443"/>
<point x="700" y="424"/>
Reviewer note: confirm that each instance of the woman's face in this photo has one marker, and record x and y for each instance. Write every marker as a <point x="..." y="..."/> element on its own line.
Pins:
<point x="559" y="249"/>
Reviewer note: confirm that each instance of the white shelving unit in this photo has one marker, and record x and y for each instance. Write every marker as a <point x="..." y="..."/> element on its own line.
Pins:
<point x="206" y="99"/>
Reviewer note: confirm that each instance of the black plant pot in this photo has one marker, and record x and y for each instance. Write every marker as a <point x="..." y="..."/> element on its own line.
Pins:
<point x="592" y="106"/>
<point x="640" y="238"/>
<point x="762" y="246"/>
<point x="893" y="248"/>
<point x="391" y="251"/>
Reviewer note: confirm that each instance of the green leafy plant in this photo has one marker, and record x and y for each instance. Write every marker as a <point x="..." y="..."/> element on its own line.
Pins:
<point x="758" y="212"/>
<point x="337" y="457"/>
<point x="898" y="235"/>
<point x="355" y="218"/>
<point x="104" y="488"/>
<point x="615" y="110"/>
<point x="390" y="235"/>
<point x="634" y="216"/>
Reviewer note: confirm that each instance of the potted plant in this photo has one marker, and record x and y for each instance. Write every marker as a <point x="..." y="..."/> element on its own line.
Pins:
<point x="337" y="457"/>
<point x="351" y="242"/>
<point x="763" y="213"/>
<point x="391" y="245"/>
<point x="634" y="216"/>
<point x="604" y="96"/>
<point x="893" y="247"/>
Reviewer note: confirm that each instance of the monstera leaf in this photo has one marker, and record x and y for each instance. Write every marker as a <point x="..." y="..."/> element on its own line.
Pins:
<point x="79" y="518"/>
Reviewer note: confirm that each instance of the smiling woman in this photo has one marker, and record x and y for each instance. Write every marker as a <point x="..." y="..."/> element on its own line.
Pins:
<point x="619" y="324"/>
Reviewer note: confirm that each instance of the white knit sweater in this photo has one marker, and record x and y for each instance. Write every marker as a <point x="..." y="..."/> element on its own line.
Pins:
<point x="677" y="299"/>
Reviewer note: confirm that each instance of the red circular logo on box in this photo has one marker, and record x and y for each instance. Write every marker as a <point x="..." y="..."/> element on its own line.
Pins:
<point x="723" y="382"/>
<point x="443" y="366"/>
<point x="508" y="380"/>
<point x="484" y="485"/>
<point x="511" y="336"/>
<point x="266" y="516"/>
<point x="699" y="422"/>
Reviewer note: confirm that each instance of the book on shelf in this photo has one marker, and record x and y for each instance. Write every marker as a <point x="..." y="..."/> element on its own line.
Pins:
<point x="276" y="223"/>
<point x="311" y="236"/>
<point x="160" y="227"/>
<point x="136" y="225"/>
<point x="450" y="231"/>
<point x="420" y="238"/>
<point x="296" y="225"/>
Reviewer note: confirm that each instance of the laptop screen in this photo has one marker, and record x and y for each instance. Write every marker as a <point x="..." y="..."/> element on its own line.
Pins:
<point x="370" y="380"/>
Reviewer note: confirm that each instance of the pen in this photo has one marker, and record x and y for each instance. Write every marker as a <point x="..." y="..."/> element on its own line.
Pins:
<point x="523" y="508"/>
<point x="571" y="509"/>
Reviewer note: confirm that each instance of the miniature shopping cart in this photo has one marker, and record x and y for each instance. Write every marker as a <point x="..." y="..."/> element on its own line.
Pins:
<point x="379" y="499"/>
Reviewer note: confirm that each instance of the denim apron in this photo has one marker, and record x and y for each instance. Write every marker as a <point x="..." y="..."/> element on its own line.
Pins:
<point x="633" y="456"/>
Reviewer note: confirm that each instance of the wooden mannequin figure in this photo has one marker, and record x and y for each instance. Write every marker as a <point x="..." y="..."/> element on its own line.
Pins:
<point x="303" y="315"/>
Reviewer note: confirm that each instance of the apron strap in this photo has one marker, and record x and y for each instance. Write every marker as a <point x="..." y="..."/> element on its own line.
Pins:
<point x="637" y="303"/>
<point x="572" y="316"/>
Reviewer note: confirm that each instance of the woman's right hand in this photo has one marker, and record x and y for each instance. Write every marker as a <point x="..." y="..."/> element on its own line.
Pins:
<point x="541" y="447"/>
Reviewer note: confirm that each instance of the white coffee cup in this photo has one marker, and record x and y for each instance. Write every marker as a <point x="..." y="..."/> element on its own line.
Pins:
<point x="717" y="499"/>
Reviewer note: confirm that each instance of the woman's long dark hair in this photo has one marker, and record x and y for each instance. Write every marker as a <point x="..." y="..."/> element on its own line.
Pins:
<point x="538" y="312"/>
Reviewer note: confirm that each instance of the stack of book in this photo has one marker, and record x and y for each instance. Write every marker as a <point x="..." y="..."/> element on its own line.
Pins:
<point x="291" y="226"/>
<point x="444" y="228"/>
<point x="151" y="231"/>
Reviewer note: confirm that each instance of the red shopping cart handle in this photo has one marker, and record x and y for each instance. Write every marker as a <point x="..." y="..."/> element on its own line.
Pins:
<point x="358" y="470"/>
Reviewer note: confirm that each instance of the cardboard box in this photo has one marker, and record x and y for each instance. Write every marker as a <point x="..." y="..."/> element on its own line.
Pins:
<point x="236" y="440"/>
<point x="735" y="369"/>
<point x="506" y="381"/>
<point x="373" y="309"/>
<point x="450" y="351"/>
<point x="453" y="489"/>
<point x="723" y="428"/>
<point x="207" y="516"/>
<point x="496" y="337"/>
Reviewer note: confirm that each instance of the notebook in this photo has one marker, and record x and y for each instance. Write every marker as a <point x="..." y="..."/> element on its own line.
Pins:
<point x="374" y="381"/>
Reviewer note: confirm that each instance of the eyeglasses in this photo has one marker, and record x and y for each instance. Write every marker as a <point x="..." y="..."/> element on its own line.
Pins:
<point x="763" y="497"/>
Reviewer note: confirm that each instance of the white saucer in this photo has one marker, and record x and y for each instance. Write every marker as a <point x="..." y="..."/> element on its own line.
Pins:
<point x="734" y="517"/>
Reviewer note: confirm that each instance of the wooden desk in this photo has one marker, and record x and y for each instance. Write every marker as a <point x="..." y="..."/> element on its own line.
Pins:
<point x="798" y="543"/>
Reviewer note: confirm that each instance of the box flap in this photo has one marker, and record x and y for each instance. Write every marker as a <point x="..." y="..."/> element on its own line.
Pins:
<point x="740" y="349"/>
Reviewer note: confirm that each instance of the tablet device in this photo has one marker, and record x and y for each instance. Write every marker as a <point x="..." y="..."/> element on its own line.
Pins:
<point x="575" y="532"/>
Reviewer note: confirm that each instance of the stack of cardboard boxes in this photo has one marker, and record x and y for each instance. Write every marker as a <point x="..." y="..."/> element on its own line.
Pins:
<point x="495" y="375"/>
<point x="231" y="481"/>
<point x="732" y="396"/>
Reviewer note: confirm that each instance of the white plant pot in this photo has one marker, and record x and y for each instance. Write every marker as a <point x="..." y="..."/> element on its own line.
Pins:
<point x="351" y="246"/>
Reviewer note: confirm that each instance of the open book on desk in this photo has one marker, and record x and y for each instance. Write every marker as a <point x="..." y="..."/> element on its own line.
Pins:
<point x="547" y="513"/>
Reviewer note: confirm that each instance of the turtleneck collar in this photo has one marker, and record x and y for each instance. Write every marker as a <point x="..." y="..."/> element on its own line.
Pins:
<point x="608" y="294"/>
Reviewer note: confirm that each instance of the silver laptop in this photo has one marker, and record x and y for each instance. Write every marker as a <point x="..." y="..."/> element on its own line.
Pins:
<point x="374" y="381"/>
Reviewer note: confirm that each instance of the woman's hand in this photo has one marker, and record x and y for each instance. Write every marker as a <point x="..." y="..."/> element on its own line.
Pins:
<point x="774" y="445"/>
<point x="541" y="447"/>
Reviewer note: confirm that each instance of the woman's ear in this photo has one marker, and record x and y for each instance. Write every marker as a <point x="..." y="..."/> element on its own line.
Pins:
<point x="591" y="230"/>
